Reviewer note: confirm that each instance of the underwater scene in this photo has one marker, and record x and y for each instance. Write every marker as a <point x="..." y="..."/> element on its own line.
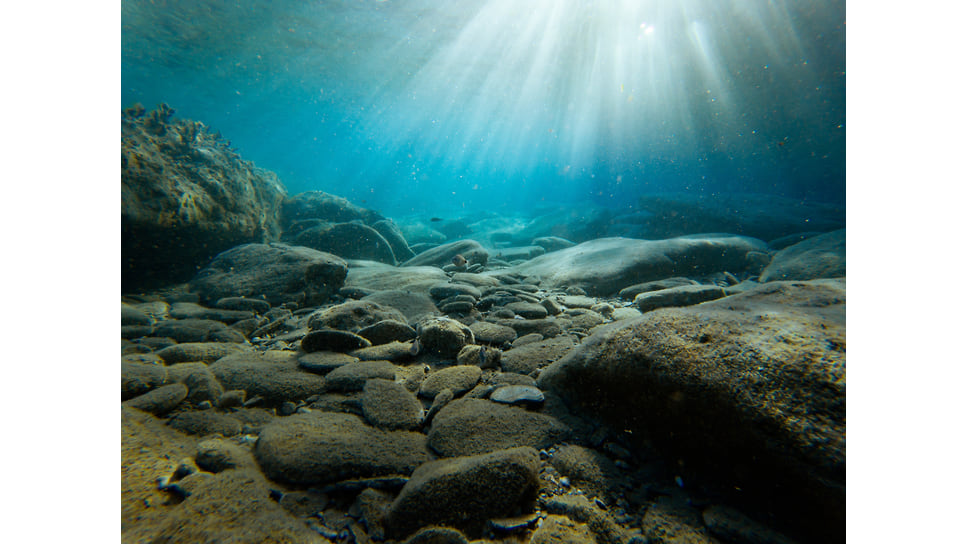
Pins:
<point x="483" y="271"/>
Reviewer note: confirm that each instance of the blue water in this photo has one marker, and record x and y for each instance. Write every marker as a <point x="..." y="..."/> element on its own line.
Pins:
<point x="443" y="108"/>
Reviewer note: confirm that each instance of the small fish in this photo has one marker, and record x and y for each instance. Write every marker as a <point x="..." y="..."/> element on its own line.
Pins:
<point x="482" y="355"/>
<point x="459" y="261"/>
<point x="435" y="219"/>
<point x="415" y="347"/>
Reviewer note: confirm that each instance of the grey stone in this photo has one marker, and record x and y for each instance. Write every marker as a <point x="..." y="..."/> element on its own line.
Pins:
<point x="823" y="256"/>
<point x="471" y="426"/>
<point x="352" y="316"/>
<point x="272" y="375"/>
<point x="604" y="266"/>
<point x="159" y="401"/>
<point x="388" y="405"/>
<point x="279" y="272"/>
<point x="528" y="310"/>
<point x="320" y="448"/>
<point x="138" y="379"/>
<point x="252" y="305"/>
<point x="192" y="310"/>
<point x="323" y="362"/>
<point x="394" y="236"/>
<point x="348" y="240"/>
<point x="530" y="357"/>
<point x="465" y="492"/>
<point x="520" y="395"/>
<point x="458" y="379"/>
<point x="206" y="422"/>
<point x="386" y="331"/>
<point x="443" y="336"/>
<point x="201" y="382"/>
<point x="443" y="255"/>
<point x="197" y="330"/>
<point x="393" y="351"/>
<point x="205" y="352"/>
<point x="445" y="290"/>
<point x="353" y="376"/>
<point x="133" y="316"/>
<point x="491" y="333"/>
<point x="552" y="243"/>
<point x="631" y="291"/>
<point x="332" y="340"/>
<point x="686" y="295"/>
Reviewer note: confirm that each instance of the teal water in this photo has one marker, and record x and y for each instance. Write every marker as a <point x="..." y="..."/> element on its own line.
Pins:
<point x="444" y="107"/>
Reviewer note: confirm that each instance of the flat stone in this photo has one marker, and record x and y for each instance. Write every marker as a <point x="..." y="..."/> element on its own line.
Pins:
<point x="458" y="379"/>
<point x="319" y="448"/>
<point x="323" y="362"/>
<point x="206" y="422"/>
<point x="332" y="340"/>
<point x="197" y="330"/>
<point x="353" y="376"/>
<point x="393" y="351"/>
<point x="274" y="376"/>
<point x="491" y="333"/>
<point x="446" y="290"/>
<point x="191" y="310"/>
<point x="520" y="395"/>
<point x="686" y="295"/>
<point x="252" y="305"/>
<point x="631" y="291"/>
<point x="528" y="310"/>
<point x="205" y="352"/>
<point x="605" y="266"/>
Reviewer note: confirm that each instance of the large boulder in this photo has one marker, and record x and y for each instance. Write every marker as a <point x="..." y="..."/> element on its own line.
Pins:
<point x="185" y="197"/>
<point x="319" y="448"/>
<point x="747" y="392"/>
<point x="348" y="240"/>
<point x="279" y="272"/>
<point x="823" y="256"/>
<point x="605" y="266"/>
<point x="325" y="207"/>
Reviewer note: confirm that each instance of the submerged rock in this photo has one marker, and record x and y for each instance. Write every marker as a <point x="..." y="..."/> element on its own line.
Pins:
<point x="749" y="391"/>
<point x="279" y="272"/>
<point x="464" y="492"/>
<point x="186" y="196"/>
<point x="472" y="426"/>
<point x="607" y="265"/>
<point x="823" y="256"/>
<point x="318" y="448"/>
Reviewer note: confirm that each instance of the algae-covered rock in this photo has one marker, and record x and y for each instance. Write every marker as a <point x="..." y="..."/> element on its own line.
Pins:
<point x="185" y="197"/>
